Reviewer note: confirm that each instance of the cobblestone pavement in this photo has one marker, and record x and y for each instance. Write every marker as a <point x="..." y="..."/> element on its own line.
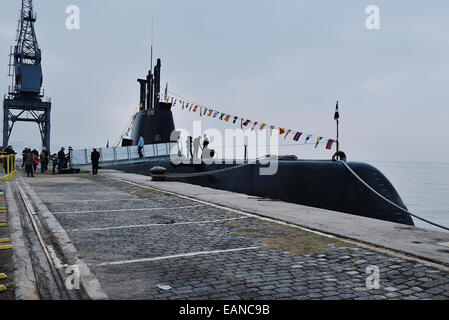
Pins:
<point x="135" y="240"/>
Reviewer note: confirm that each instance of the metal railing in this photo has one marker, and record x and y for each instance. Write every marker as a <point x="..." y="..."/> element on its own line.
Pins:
<point x="81" y="157"/>
<point x="9" y="165"/>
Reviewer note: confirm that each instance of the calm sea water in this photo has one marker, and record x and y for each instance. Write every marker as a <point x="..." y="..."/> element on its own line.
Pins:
<point x="424" y="188"/>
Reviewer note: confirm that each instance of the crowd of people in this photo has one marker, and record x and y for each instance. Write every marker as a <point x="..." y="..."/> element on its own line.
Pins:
<point x="32" y="158"/>
<point x="59" y="161"/>
<point x="194" y="146"/>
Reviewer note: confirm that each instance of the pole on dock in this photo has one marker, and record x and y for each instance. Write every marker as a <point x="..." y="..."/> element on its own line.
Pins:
<point x="166" y="92"/>
<point x="338" y="142"/>
<point x="337" y="118"/>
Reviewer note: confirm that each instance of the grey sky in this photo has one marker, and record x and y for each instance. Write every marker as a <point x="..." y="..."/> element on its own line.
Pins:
<point x="281" y="62"/>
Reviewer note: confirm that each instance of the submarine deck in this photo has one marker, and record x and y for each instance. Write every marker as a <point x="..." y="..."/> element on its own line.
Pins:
<point x="141" y="239"/>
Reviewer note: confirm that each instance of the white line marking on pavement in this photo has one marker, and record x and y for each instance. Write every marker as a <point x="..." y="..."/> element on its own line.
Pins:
<point x="122" y="210"/>
<point x="220" y="206"/>
<point x="192" y="254"/>
<point x="157" y="225"/>
<point x="95" y="200"/>
<point x="64" y="194"/>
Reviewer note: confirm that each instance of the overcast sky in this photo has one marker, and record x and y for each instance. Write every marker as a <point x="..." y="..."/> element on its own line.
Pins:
<point x="280" y="62"/>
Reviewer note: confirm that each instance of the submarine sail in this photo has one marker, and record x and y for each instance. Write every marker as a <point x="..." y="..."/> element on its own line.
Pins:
<point x="154" y="121"/>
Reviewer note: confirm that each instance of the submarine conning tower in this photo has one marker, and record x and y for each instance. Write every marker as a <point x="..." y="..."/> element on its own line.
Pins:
<point x="154" y="121"/>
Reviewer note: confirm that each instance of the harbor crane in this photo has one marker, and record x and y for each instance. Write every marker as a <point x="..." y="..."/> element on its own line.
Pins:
<point x="25" y="98"/>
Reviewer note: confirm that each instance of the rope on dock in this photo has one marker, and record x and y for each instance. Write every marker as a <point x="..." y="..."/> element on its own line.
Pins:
<point x="389" y="201"/>
<point x="208" y="173"/>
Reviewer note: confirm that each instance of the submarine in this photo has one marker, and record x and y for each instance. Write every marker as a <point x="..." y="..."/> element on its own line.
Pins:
<point x="350" y="187"/>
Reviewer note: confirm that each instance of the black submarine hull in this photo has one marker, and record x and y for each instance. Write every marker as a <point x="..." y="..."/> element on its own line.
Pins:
<point x="315" y="183"/>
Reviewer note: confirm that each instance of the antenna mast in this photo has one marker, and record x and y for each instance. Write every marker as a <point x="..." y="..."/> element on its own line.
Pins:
<point x="152" y="38"/>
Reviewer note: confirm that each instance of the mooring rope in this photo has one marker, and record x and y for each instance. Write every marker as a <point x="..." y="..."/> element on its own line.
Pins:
<point x="389" y="201"/>
<point x="208" y="173"/>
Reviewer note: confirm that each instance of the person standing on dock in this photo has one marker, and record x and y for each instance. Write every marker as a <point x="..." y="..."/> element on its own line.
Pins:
<point x="36" y="159"/>
<point x="44" y="160"/>
<point x="23" y="155"/>
<point x="28" y="161"/>
<point x="189" y="147"/>
<point x="205" y="141"/>
<point x="196" y="147"/>
<point x="140" y="145"/>
<point x="61" y="160"/>
<point x="54" y="159"/>
<point x="95" y="158"/>
<point x="207" y="152"/>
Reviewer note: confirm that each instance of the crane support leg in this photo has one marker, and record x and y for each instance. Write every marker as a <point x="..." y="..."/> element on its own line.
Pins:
<point x="27" y="111"/>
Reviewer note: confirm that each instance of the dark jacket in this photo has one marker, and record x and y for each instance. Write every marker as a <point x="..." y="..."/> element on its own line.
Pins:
<point x="95" y="156"/>
<point x="44" y="157"/>
<point x="61" y="155"/>
<point x="28" y="159"/>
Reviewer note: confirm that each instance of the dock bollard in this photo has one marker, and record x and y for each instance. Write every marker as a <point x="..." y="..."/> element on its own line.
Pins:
<point x="158" y="173"/>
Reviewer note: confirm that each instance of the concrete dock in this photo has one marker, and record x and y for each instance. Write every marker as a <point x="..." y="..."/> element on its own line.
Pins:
<point x="133" y="238"/>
